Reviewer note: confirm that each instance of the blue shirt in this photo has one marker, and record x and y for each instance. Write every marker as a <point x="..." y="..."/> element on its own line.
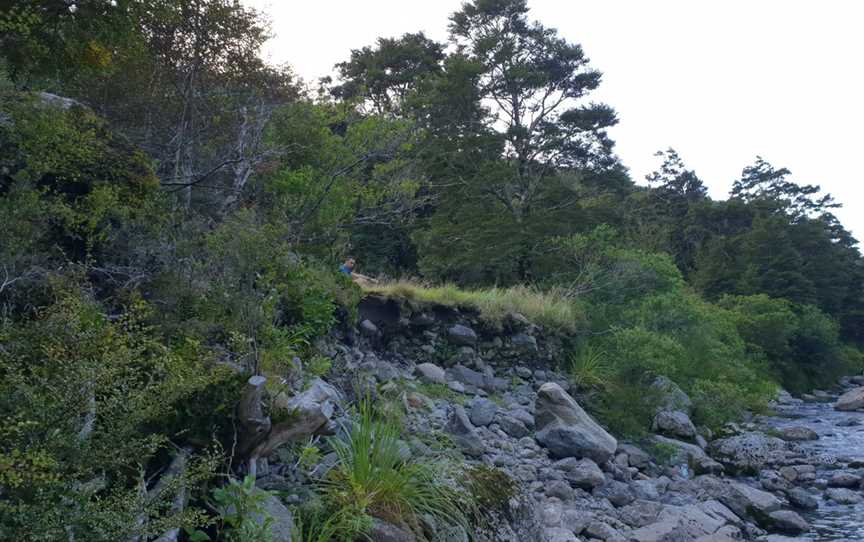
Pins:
<point x="345" y="269"/>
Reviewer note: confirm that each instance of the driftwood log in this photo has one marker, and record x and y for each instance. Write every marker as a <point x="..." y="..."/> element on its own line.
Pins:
<point x="309" y="413"/>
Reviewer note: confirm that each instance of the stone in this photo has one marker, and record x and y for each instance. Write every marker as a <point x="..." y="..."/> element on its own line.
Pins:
<point x="798" y="433"/>
<point x="461" y="335"/>
<point x="674" y="423"/>
<point x="618" y="493"/>
<point x="636" y="457"/>
<point x="604" y="531"/>
<point x="382" y="531"/>
<point x="678" y="523"/>
<point x="844" y="479"/>
<point x="523" y="342"/>
<point x="566" y="430"/>
<point x="476" y="379"/>
<point x="851" y="400"/>
<point x="841" y="495"/>
<point x="672" y="396"/>
<point x="686" y="455"/>
<point x="512" y="426"/>
<point x="559" y="489"/>
<point x="640" y="513"/>
<point x="748" y="451"/>
<point x="582" y="473"/>
<point x="743" y="500"/>
<point x="482" y="411"/>
<point x="787" y="521"/>
<point x="368" y="329"/>
<point x="431" y="373"/>
<point x="559" y="534"/>
<point x="281" y="518"/>
<point x="800" y="498"/>
<point x="464" y="434"/>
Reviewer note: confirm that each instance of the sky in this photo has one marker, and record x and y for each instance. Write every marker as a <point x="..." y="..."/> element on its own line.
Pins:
<point x="720" y="82"/>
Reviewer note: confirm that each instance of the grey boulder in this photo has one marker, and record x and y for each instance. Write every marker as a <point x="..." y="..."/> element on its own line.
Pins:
<point x="566" y="430"/>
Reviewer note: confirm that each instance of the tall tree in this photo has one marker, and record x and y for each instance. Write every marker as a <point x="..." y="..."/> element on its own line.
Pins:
<point x="382" y="77"/>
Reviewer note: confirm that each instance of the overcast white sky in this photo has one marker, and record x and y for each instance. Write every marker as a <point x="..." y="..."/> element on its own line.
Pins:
<point x="719" y="81"/>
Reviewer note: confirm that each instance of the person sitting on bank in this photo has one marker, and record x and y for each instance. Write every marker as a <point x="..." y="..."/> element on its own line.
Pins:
<point x="348" y="269"/>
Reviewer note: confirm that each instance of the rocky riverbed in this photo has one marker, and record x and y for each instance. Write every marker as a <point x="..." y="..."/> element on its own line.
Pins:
<point x="491" y="393"/>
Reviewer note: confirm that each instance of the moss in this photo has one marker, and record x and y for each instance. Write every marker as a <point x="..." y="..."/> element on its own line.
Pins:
<point x="491" y="488"/>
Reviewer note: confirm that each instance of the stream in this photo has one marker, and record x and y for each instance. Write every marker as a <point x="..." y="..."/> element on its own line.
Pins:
<point x="840" y="443"/>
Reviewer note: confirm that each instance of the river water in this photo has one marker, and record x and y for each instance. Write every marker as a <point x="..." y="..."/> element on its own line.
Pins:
<point x="841" y="439"/>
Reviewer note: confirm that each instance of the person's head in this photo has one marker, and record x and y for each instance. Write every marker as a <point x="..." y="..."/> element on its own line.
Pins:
<point x="349" y="263"/>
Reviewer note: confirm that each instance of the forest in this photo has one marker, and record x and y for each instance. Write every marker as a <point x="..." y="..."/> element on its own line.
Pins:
<point x="174" y="212"/>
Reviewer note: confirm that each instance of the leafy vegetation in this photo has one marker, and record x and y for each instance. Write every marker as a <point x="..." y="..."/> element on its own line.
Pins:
<point x="174" y="210"/>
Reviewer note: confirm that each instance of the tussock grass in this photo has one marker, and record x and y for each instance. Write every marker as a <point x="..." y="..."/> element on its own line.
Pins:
<point x="550" y="309"/>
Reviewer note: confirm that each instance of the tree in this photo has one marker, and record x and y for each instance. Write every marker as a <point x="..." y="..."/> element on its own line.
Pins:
<point x="769" y="188"/>
<point x="385" y="75"/>
<point x="531" y="83"/>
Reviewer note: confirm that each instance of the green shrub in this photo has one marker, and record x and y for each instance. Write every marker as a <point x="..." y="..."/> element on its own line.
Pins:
<point x="242" y="516"/>
<point x="590" y="368"/>
<point x="87" y="405"/>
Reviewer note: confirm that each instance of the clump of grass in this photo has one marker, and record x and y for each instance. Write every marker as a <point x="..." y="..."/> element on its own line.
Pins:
<point x="549" y="308"/>
<point x="371" y="479"/>
<point x="589" y="369"/>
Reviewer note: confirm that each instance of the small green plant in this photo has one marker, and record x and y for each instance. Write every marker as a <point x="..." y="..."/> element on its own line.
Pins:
<point x="589" y="368"/>
<point x="241" y="511"/>
<point x="662" y="452"/>
<point x="318" y="366"/>
<point x="491" y="490"/>
<point x="441" y="391"/>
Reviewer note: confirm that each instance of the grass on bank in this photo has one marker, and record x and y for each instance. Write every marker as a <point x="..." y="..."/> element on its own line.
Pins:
<point x="550" y="309"/>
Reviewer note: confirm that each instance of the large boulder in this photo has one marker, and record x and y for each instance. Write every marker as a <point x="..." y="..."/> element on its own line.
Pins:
<point x="787" y="521"/>
<point x="851" y="400"/>
<point x="566" y="430"/>
<point x="482" y="411"/>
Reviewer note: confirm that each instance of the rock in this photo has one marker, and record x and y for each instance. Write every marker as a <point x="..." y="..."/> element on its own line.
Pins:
<point x="582" y="473"/>
<point x="523" y="342"/>
<point x="640" y="513"/>
<point x="743" y="500"/>
<point x="844" y="479"/>
<point x="674" y="423"/>
<point x="788" y="522"/>
<point x="851" y="400"/>
<point x="282" y="521"/>
<point x="431" y="373"/>
<point x="841" y="495"/>
<point x="382" y="531"/>
<point x="618" y="493"/>
<point x="686" y="455"/>
<point x="559" y="489"/>
<point x="461" y="335"/>
<point x="857" y="380"/>
<point x="568" y="431"/>
<point x="512" y="426"/>
<point x="470" y="377"/>
<point x="422" y="320"/>
<point x="482" y="411"/>
<point x="604" y="531"/>
<point x="368" y="329"/>
<point x="464" y="434"/>
<point x="679" y="523"/>
<point x="800" y="498"/>
<point x="636" y="457"/>
<point x="748" y="451"/>
<point x="798" y="433"/>
<point x="672" y="397"/>
<point x="559" y="534"/>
